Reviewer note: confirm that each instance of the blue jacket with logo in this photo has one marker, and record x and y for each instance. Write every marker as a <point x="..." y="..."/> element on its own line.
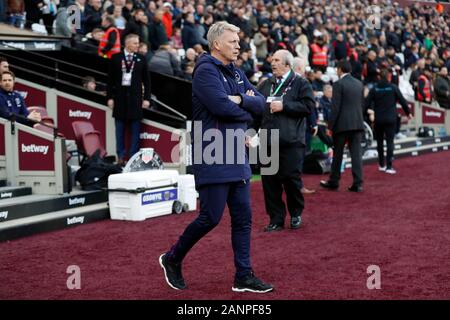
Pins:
<point x="213" y="161"/>
<point x="13" y="102"/>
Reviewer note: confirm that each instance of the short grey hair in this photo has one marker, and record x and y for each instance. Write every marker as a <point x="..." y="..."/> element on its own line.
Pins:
<point x="288" y="58"/>
<point x="217" y="29"/>
<point x="299" y="63"/>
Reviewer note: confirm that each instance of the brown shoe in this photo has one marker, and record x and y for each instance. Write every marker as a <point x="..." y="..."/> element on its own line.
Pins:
<point x="307" y="191"/>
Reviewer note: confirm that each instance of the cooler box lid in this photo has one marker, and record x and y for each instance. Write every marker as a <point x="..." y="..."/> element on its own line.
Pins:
<point x="143" y="179"/>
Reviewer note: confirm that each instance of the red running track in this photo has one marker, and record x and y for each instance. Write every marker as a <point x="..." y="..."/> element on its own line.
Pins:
<point x="400" y="223"/>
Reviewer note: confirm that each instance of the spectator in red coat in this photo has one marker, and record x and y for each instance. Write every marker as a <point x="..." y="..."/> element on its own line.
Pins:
<point x="167" y="19"/>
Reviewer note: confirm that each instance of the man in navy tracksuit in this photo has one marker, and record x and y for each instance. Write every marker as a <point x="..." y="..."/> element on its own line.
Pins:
<point x="223" y="102"/>
<point x="11" y="102"/>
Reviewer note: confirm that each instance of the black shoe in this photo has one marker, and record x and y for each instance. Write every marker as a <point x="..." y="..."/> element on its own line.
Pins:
<point x="251" y="284"/>
<point x="328" y="185"/>
<point x="172" y="273"/>
<point x="273" y="227"/>
<point x="296" y="222"/>
<point x="354" y="188"/>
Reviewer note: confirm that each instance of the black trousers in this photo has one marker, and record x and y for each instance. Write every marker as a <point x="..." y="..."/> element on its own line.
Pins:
<point x="385" y="131"/>
<point x="288" y="179"/>
<point x="354" y="144"/>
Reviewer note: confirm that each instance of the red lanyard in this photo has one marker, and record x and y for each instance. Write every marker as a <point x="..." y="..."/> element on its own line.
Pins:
<point x="126" y="66"/>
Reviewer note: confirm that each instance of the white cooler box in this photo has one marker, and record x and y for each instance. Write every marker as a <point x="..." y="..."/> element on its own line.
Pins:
<point x="188" y="194"/>
<point x="140" y="195"/>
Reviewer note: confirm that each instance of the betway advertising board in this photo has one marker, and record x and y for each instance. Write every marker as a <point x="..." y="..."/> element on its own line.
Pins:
<point x="69" y="110"/>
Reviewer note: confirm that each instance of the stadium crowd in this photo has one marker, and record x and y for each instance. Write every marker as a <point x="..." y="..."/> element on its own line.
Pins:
<point x="412" y="41"/>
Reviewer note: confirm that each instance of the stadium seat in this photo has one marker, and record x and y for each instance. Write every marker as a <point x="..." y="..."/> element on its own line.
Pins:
<point x="87" y="138"/>
<point x="39" y="109"/>
<point x="91" y="142"/>
<point x="43" y="112"/>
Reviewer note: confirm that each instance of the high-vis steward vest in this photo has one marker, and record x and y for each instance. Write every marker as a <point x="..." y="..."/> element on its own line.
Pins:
<point x="426" y="90"/>
<point x="319" y="55"/>
<point x="104" y="42"/>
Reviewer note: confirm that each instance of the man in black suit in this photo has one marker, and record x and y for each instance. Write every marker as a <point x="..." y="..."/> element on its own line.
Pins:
<point x="347" y="125"/>
<point x="289" y="100"/>
<point x="128" y="73"/>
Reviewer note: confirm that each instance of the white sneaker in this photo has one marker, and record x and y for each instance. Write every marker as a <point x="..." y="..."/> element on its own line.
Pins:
<point x="381" y="168"/>
<point x="391" y="171"/>
<point x="400" y="136"/>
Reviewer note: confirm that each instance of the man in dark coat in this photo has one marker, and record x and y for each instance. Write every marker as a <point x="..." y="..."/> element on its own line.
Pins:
<point x="383" y="100"/>
<point x="189" y="35"/>
<point x="442" y="88"/>
<point x="223" y="101"/>
<point x="33" y="9"/>
<point x="157" y="34"/>
<point x="347" y="124"/>
<point x="127" y="74"/>
<point x="289" y="101"/>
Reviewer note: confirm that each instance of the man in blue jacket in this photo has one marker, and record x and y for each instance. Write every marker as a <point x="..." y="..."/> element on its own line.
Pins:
<point x="223" y="102"/>
<point x="11" y="102"/>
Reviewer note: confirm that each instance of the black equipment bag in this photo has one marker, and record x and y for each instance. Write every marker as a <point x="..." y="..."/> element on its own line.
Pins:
<point x="94" y="172"/>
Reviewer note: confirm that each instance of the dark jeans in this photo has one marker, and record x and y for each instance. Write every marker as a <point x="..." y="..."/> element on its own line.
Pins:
<point x="213" y="199"/>
<point x="385" y="131"/>
<point x="135" y="127"/>
<point x="354" y="144"/>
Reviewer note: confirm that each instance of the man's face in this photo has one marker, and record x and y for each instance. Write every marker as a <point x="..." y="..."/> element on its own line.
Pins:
<point x="190" y="54"/>
<point x="97" y="4"/>
<point x="143" y="50"/>
<point x="228" y="45"/>
<point x="91" y="85"/>
<point x="328" y="93"/>
<point x="7" y="82"/>
<point x="139" y="16"/>
<point x="4" y="66"/>
<point x="318" y="75"/>
<point x="279" y="67"/>
<point x="98" y="35"/>
<point x="117" y="11"/>
<point x="444" y="72"/>
<point x="132" y="45"/>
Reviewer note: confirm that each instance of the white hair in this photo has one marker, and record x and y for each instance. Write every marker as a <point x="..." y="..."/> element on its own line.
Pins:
<point x="288" y="58"/>
<point x="217" y="29"/>
<point x="299" y="64"/>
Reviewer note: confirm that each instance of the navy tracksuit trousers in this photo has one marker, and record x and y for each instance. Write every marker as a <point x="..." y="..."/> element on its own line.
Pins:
<point x="213" y="199"/>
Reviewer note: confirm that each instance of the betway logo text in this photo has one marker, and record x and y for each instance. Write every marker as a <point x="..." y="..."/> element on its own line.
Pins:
<point x="73" y="201"/>
<point x="6" y="195"/>
<point x="74" y="220"/>
<point x="433" y="114"/>
<point x="4" y="214"/>
<point x="80" y="114"/>
<point x="43" y="45"/>
<point x="34" y="148"/>
<point x="149" y="136"/>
